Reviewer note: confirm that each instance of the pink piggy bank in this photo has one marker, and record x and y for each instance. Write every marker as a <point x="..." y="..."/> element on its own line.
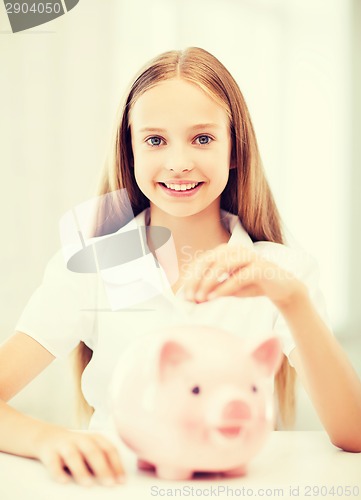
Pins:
<point x="195" y="399"/>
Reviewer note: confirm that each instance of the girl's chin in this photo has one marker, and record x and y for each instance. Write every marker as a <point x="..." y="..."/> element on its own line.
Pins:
<point x="184" y="209"/>
<point x="177" y="211"/>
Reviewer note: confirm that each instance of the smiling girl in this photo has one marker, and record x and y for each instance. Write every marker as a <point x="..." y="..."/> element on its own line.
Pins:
<point x="186" y="153"/>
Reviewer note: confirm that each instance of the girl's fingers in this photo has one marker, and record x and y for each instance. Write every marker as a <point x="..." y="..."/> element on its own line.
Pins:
<point x="85" y="457"/>
<point x="211" y="280"/>
<point x="203" y="274"/>
<point x="98" y="464"/>
<point x="55" y="467"/>
<point x="205" y="280"/>
<point x="215" y="268"/>
<point x="242" y="283"/>
<point x="103" y="459"/>
<point x="78" y="468"/>
<point x="112" y="457"/>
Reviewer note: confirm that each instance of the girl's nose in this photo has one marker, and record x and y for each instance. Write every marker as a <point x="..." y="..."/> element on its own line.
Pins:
<point x="179" y="169"/>
<point x="179" y="161"/>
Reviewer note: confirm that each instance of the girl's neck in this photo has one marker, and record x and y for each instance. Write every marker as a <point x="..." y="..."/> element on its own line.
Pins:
<point x="192" y="234"/>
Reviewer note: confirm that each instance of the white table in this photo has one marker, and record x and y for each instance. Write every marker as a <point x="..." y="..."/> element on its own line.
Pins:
<point x="291" y="465"/>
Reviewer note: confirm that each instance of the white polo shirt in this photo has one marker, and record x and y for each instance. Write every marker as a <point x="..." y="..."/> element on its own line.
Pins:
<point x="69" y="307"/>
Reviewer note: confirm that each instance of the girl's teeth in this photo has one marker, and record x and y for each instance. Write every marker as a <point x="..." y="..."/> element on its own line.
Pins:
<point x="181" y="187"/>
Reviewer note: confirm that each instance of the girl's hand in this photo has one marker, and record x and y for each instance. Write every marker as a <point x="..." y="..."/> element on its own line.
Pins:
<point x="86" y="457"/>
<point x="236" y="270"/>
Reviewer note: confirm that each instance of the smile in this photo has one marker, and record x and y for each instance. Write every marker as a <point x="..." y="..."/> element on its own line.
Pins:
<point x="181" y="189"/>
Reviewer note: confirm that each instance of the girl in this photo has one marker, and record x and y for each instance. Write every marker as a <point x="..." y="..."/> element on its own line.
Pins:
<point x="186" y="153"/>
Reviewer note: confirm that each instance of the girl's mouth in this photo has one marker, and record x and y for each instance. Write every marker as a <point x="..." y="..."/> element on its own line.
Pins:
<point x="181" y="190"/>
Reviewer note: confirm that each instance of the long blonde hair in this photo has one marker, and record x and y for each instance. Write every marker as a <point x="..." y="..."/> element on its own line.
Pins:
<point x="247" y="193"/>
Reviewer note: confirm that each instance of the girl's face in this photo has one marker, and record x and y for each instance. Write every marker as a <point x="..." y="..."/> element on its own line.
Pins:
<point x="181" y="145"/>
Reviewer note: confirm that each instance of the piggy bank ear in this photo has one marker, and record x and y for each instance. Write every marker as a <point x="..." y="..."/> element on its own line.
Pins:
<point x="171" y="356"/>
<point x="269" y="355"/>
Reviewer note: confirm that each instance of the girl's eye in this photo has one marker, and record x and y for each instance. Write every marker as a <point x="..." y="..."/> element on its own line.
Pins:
<point x="154" y="141"/>
<point x="204" y="139"/>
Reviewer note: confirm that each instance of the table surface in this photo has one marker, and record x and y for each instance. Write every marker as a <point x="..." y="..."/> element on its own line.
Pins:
<point x="292" y="464"/>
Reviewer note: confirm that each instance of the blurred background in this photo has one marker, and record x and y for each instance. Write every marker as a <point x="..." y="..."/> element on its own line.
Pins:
<point x="298" y="65"/>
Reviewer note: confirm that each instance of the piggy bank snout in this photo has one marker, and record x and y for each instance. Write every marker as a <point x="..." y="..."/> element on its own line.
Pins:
<point x="230" y="406"/>
<point x="236" y="410"/>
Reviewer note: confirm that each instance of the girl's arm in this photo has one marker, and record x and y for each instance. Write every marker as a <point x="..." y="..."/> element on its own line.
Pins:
<point x="323" y="367"/>
<point x="325" y="372"/>
<point x="21" y="359"/>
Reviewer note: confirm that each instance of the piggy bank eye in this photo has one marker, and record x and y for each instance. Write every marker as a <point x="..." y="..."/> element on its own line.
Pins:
<point x="254" y="388"/>
<point x="196" y="389"/>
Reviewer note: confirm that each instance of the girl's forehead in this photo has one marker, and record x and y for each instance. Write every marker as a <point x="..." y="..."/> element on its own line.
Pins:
<point x="177" y="99"/>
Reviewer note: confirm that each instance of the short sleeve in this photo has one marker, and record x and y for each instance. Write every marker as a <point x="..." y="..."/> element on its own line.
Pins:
<point x="305" y="267"/>
<point x="58" y="314"/>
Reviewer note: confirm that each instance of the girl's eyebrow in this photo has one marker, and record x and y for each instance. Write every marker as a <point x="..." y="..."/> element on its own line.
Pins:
<point x="194" y="127"/>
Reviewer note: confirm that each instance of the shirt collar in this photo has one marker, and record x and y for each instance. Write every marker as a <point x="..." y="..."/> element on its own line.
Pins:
<point x="230" y="221"/>
<point x="145" y="270"/>
<point x="233" y="225"/>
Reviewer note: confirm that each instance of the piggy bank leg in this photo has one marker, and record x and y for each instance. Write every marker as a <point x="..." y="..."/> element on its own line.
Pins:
<point x="144" y="465"/>
<point x="237" y="471"/>
<point x="173" y="473"/>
